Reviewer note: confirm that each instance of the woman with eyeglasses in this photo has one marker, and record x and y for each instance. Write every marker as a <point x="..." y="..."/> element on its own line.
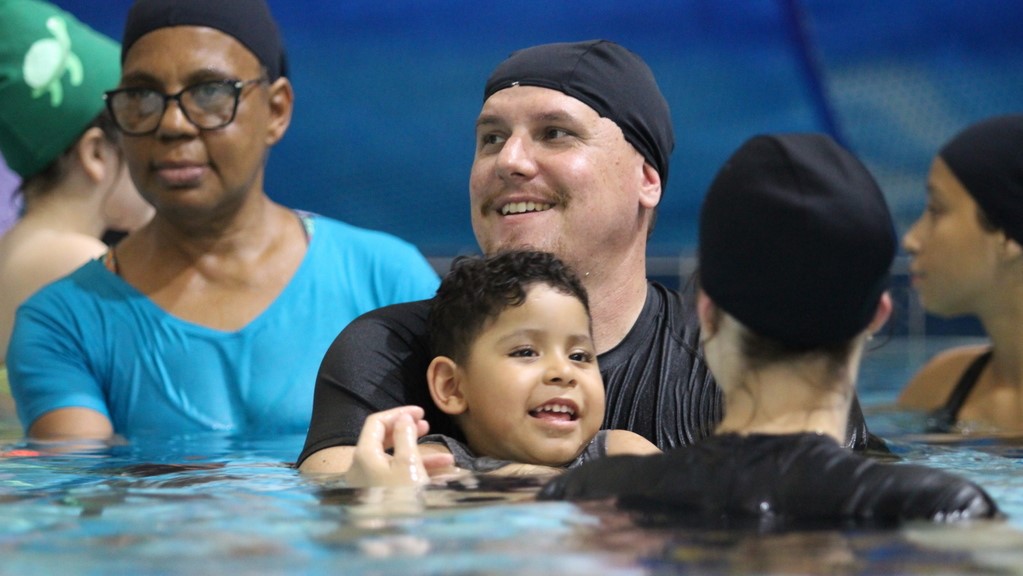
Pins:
<point x="216" y="315"/>
<point x="56" y="136"/>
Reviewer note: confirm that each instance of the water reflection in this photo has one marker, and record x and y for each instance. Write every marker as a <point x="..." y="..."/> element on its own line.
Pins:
<point x="216" y="504"/>
<point x="180" y="507"/>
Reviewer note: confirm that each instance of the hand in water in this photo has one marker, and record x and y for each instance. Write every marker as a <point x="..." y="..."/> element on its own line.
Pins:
<point x="397" y="429"/>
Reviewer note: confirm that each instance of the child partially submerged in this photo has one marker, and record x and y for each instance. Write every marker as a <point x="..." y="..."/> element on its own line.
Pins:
<point x="515" y="366"/>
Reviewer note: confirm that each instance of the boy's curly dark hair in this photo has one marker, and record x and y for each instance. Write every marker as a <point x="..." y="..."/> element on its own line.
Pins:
<point x="477" y="290"/>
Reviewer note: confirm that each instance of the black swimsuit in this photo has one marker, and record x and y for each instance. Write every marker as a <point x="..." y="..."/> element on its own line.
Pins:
<point x="943" y="419"/>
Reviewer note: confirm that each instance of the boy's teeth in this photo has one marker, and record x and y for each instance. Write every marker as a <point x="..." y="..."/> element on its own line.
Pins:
<point x="556" y="408"/>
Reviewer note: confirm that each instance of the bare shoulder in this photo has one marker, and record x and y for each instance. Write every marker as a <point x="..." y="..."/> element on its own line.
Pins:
<point x="33" y="259"/>
<point x="931" y="386"/>
<point x="627" y="442"/>
<point x="46" y="256"/>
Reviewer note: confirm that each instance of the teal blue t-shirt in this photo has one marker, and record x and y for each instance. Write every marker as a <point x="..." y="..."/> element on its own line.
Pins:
<point x="91" y="340"/>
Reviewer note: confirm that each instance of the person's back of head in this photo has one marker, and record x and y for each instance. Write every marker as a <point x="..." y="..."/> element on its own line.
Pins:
<point x="796" y="242"/>
<point x="53" y="72"/>
<point x="477" y="290"/>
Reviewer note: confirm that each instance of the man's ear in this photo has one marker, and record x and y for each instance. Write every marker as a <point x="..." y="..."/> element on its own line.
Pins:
<point x="650" y="195"/>
<point x="444" y="379"/>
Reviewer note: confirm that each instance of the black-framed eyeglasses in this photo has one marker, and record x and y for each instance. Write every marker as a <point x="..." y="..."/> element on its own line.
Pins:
<point x="207" y="105"/>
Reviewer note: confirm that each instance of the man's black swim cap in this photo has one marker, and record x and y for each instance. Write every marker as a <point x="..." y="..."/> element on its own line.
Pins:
<point x="605" y="76"/>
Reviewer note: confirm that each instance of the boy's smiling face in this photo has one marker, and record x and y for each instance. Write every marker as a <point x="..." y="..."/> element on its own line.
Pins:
<point x="531" y="387"/>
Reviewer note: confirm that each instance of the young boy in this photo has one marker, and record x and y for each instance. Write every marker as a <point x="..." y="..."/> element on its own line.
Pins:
<point x="515" y="366"/>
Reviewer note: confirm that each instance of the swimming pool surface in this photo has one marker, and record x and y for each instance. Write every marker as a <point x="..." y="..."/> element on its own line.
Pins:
<point x="211" y="504"/>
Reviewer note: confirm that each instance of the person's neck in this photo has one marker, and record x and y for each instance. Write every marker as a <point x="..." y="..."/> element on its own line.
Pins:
<point x="69" y="212"/>
<point x="1002" y="322"/>
<point x="617" y="292"/>
<point x="241" y="234"/>
<point x="789" y="399"/>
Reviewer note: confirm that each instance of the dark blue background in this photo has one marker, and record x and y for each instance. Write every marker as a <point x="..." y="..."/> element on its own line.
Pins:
<point x="387" y="91"/>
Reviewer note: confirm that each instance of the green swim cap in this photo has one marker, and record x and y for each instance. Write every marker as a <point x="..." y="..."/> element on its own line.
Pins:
<point x="53" y="72"/>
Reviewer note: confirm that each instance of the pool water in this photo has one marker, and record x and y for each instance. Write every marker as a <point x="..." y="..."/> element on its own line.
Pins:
<point x="213" y="504"/>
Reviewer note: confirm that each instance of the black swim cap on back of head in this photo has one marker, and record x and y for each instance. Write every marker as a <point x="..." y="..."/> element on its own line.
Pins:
<point x="247" y="21"/>
<point x="605" y="76"/>
<point x="987" y="159"/>
<point x="796" y="240"/>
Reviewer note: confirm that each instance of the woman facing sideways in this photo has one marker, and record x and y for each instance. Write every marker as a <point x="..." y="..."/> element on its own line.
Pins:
<point x="966" y="260"/>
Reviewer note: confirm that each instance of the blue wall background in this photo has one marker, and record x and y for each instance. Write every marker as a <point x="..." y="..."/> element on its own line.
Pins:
<point x="387" y="91"/>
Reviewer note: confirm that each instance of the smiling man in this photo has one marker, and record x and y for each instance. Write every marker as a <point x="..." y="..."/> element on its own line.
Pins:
<point x="572" y="149"/>
<point x="216" y="315"/>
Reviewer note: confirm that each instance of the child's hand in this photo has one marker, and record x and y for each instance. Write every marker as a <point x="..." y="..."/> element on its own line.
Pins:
<point x="398" y="428"/>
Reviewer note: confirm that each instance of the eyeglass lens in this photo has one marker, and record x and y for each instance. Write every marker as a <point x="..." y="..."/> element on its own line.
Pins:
<point x="208" y="105"/>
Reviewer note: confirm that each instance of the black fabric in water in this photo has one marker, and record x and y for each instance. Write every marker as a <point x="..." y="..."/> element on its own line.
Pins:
<point x="787" y="477"/>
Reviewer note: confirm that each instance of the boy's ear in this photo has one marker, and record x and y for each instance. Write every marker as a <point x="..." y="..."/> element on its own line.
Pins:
<point x="445" y="383"/>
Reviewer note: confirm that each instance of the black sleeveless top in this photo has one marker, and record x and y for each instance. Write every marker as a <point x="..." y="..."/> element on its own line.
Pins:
<point x="943" y="419"/>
